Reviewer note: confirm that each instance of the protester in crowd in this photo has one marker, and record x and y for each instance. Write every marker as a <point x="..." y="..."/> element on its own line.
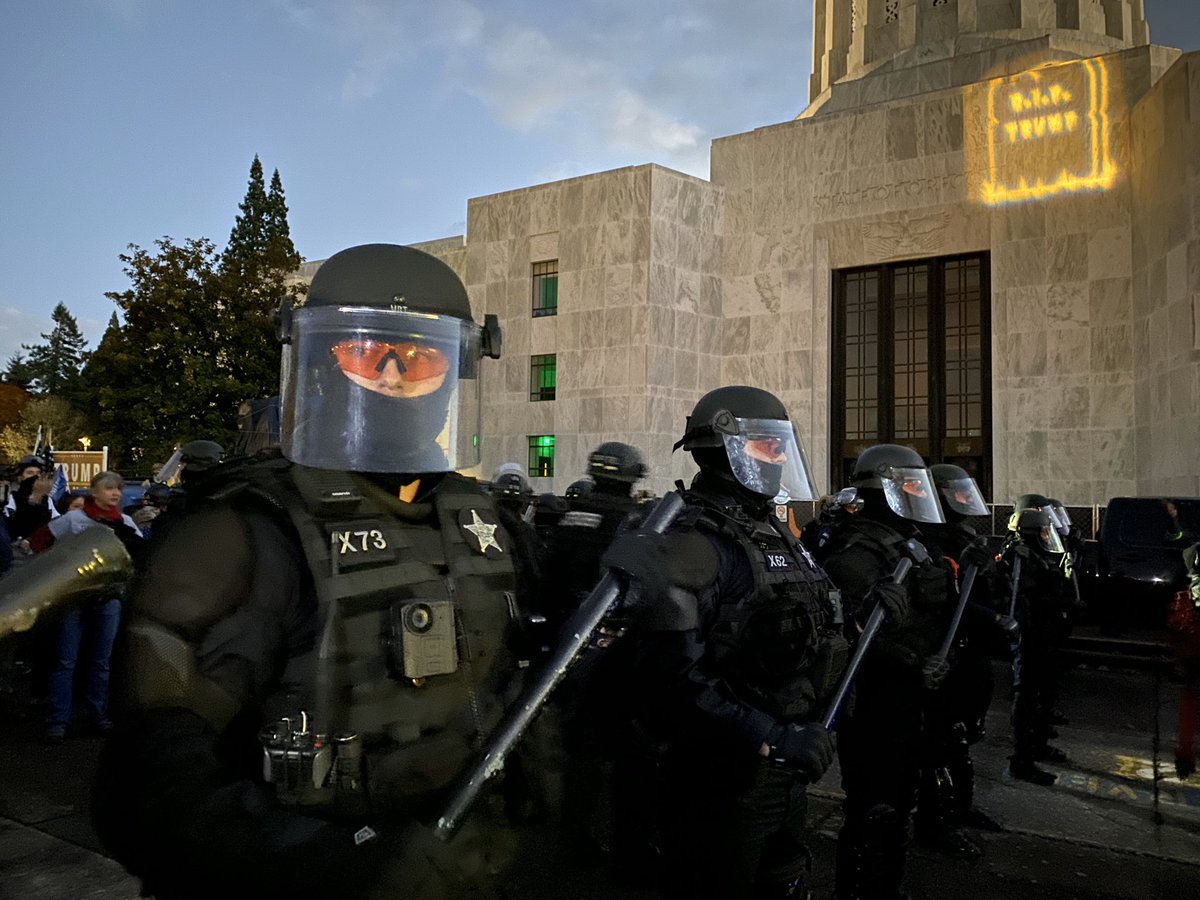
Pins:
<point x="29" y="504"/>
<point x="92" y="626"/>
<point x="1183" y="621"/>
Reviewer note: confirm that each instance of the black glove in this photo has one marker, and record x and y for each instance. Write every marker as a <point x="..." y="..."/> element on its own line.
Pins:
<point x="894" y="598"/>
<point x="1008" y="627"/>
<point x="807" y="748"/>
<point x="976" y="554"/>
<point x="934" y="670"/>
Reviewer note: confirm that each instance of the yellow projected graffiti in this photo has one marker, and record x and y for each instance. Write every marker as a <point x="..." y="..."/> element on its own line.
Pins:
<point x="1048" y="133"/>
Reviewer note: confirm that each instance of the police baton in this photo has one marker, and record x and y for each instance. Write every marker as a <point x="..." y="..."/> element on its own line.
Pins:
<point x="578" y="631"/>
<point x="874" y="623"/>
<point x="936" y="667"/>
<point x="1016" y="583"/>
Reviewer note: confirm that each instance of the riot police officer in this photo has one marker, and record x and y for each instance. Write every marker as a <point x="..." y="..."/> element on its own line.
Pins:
<point x="955" y="713"/>
<point x="607" y="762"/>
<point x="317" y="650"/>
<point x="880" y="741"/>
<point x="588" y="521"/>
<point x="739" y="634"/>
<point x="1032" y="566"/>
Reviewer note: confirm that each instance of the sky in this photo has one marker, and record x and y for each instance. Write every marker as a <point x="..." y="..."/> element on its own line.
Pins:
<point x="126" y="121"/>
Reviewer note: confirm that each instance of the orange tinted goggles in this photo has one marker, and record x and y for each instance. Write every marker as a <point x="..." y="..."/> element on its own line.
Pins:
<point x="367" y="359"/>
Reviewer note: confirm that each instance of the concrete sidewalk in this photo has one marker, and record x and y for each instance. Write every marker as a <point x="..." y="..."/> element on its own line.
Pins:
<point x="1096" y="833"/>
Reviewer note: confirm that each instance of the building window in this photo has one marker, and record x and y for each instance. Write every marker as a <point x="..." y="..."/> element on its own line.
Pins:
<point x="912" y="363"/>
<point x="541" y="455"/>
<point x="545" y="288"/>
<point x="542" y="376"/>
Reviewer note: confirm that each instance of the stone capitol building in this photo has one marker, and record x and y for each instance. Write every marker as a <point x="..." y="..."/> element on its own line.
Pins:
<point x="981" y="238"/>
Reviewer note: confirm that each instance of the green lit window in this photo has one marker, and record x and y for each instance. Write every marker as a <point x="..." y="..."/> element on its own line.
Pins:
<point x="545" y="288"/>
<point x="541" y="455"/>
<point x="542" y="377"/>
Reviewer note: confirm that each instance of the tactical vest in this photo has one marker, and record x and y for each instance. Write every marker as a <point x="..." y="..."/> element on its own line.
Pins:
<point x="781" y="645"/>
<point x="928" y="586"/>
<point x="580" y="537"/>
<point x="417" y="605"/>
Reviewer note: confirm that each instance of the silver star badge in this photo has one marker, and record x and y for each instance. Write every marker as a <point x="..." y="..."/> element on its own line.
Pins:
<point x="485" y="532"/>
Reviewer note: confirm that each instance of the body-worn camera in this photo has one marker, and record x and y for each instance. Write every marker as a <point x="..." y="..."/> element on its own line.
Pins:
<point x="309" y="768"/>
<point x="421" y="639"/>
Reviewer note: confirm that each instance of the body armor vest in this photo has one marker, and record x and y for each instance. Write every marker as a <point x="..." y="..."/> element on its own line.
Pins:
<point x="580" y="537"/>
<point x="781" y="645"/>
<point x="412" y="663"/>
<point x="928" y="586"/>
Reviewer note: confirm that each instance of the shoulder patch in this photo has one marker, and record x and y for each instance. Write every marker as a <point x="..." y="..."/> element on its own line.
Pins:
<point x="482" y="532"/>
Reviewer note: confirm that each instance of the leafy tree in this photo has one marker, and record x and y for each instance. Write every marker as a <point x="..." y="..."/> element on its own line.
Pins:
<point x="53" y="367"/>
<point x="57" y="419"/>
<point x="158" y="379"/>
<point x="197" y="336"/>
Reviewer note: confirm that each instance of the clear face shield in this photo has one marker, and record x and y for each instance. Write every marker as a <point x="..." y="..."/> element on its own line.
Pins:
<point x="1062" y="521"/>
<point x="910" y="494"/>
<point x="766" y="458"/>
<point x="1047" y="538"/>
<point x="962" y="495"/>
<point x="366" y="389"/>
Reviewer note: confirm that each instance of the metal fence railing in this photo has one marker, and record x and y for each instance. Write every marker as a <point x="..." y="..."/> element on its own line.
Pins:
<point x="1087" y="519"/>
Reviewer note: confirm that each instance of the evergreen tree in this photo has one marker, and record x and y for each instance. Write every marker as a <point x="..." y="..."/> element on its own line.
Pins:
<point x="249" y="238"/>
<point x="17" y="371"/>
<point x="281" y="251"/>
<point x="198" y="335"/>
<point x="53" y="367"/>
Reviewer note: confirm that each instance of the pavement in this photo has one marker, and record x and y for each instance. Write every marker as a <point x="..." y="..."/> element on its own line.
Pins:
<point x="1116" y="824"/>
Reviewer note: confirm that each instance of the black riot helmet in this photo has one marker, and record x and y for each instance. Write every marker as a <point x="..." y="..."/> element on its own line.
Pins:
<point x="510" y="481"/>
<point x="959" y="492"/>
<point x="380" y="365"/>
<point x="198" y="458"/>
<point x="613" y="461"/>
<point x="1040" y="501"/>
<point x="745" y="431"/>
<point x="1039" y="528"/>
<point x="580" y="488"/>
<point x="898" y="473"/>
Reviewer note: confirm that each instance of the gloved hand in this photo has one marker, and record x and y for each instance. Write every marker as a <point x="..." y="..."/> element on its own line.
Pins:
<point x="806" y="748"/>
<point x="976" y="554"/>
<point x="1008" y="627"/>
<point x="894" y="598"/>
<point x="934" y="670"/>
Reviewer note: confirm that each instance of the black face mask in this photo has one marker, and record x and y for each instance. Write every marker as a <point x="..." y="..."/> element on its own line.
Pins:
<point x="399" y="434"/>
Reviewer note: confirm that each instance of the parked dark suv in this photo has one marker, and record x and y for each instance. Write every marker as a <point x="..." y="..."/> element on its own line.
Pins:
<point x="1137" y="563"/>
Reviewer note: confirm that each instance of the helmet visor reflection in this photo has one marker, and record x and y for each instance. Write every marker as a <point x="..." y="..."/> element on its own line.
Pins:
<point x="367" y="358"/>
<point x="765" y="457"/>
<point x="910" y="494"/>
<point x="962" y="495"/>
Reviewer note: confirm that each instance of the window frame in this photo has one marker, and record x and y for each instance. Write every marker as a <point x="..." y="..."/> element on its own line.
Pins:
<point x="542" y="274"/>
<point x="539" y="365"/>
<point x="539" y="442"/>
<point x="937" y="445"/>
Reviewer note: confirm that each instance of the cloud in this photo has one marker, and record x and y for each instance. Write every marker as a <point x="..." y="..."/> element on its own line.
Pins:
<point x="597" y="78"/>
<point x="381" y="39"/>
<point x="19" y="327"/>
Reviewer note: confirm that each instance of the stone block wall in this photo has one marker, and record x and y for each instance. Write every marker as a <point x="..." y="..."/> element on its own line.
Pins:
<point x="638" y="330"/>
<point x="1166" y="283"/>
